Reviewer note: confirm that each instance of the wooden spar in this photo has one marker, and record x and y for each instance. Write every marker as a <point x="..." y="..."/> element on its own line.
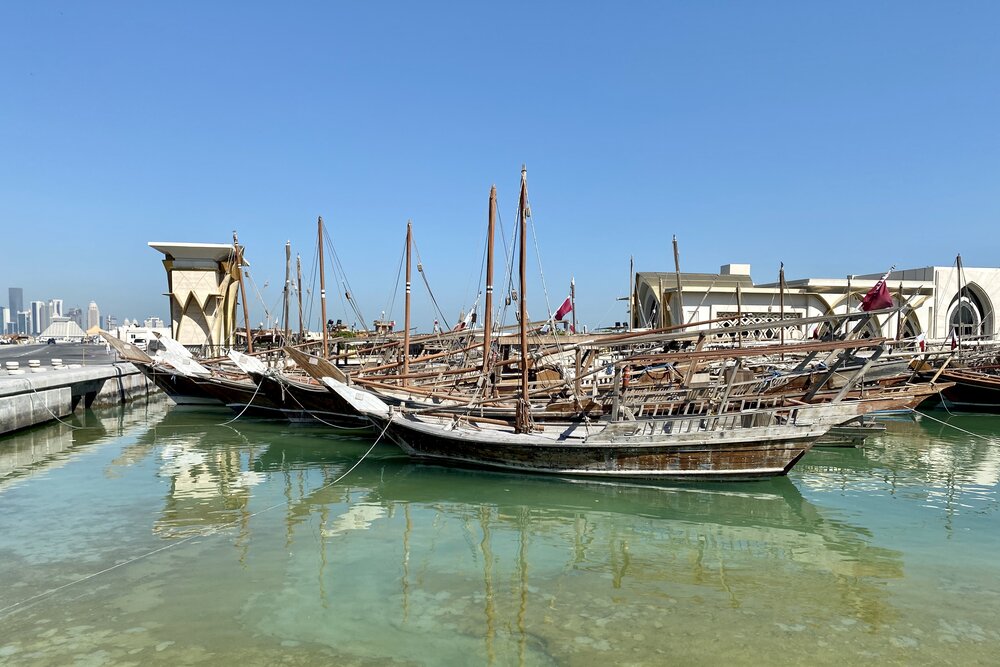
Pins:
<point x="522" y="209"/>
<point x="693" y="368"/>
<point x="781" y="301"/>
<point x="677" y="273"/>
<point x="322" y="289"/>
<point x="298" y="272"/>
<point x="739" y="314"/>
<point x="488" y="315"/>
<point x="243" y="292"/>
<point x="406" y="315"/>
<point x="711" y="355"/>
<point x="288" y="289"/>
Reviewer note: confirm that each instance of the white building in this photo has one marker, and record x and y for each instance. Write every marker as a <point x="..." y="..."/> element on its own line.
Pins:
<point x="93" y="316"/>
<point x="938" y="301"/>
<point x="39" y="317"/>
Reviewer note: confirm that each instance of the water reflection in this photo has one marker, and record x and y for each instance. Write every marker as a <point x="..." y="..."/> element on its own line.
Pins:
<point x="431" y="565"/>
<point x="35" y="450"/>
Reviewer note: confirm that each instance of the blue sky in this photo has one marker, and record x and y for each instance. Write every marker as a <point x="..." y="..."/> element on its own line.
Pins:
<point x="836" y="137"/>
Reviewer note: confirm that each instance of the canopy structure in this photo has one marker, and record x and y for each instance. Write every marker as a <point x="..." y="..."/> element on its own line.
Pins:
<point x="63" y="328"/>
<point x="202" y="284"/>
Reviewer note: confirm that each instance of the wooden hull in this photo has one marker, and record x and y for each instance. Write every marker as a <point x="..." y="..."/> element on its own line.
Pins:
<point x="304" y="403"/>
<point x="737" y="454"/>
<point x="180" y="388"/>
<point x="243" y="398"/>
<point x="973" y="391"/>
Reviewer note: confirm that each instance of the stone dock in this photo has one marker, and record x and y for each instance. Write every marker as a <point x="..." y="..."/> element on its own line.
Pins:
<point x="38" y="394"/>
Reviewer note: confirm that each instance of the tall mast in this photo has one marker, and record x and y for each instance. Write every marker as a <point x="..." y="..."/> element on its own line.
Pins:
<point x="406" y="316"/>
<point x="781" y="301"/>
<point x="298" y="273"/>
<point x="522" y="209"/>
<point x="322" y="287"/>
<point x="631" y="291"/>
<point x="958" y="329"/>
<point x="677" y="274"/>
<point x="488" y="315"/>
<point x="243" y="291"/>
<point x="288" y="289"/>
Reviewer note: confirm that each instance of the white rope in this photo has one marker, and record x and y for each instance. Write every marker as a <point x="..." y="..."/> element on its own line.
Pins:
<point x="245" y="407"/>
<point x="5" y="611"/>
<point x="54" y="415"/>
<point x="309" y="412"/>
<point x="940" y="421"/>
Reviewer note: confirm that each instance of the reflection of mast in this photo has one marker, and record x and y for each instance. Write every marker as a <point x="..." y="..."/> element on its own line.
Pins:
<point x="487" y="548"/>
<point x="408" y="528"/>
<point x="522" y="571"/>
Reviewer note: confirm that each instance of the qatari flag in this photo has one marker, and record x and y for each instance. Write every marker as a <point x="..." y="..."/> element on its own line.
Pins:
<point x="878" y="297"/>
<point x="563" y="309"/>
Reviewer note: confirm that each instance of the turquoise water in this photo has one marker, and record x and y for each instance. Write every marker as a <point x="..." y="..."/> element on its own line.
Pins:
<point x="152" y="535"/>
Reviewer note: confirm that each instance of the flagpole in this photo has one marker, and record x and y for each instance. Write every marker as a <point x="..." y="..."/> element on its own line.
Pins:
<point x="572" y="300"/>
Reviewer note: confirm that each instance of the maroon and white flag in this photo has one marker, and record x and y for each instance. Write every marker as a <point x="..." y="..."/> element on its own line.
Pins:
<point x="878" y="297"/>
<point x="564" y="309"/>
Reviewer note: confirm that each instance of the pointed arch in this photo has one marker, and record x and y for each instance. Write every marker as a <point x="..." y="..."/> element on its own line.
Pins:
<point x="970" y="313"/>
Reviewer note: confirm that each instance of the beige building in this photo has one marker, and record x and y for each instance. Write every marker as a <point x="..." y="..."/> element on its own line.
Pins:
<point x="202" y="286"/>
<point x="938" y="300"/>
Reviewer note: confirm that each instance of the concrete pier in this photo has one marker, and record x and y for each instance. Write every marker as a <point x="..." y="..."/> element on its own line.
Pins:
<point x="33" y="396"/>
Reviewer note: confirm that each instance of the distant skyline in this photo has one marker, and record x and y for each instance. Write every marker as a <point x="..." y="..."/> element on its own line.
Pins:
<point x="836" y="138"/>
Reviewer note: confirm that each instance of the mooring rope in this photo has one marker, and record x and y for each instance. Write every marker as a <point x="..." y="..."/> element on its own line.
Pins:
<point x="309" y="412"/>
<point x="54" y="415"/>
<point x="245" y="407"/>
<point x="6" y="611"/>
<point x="957" y="428"/>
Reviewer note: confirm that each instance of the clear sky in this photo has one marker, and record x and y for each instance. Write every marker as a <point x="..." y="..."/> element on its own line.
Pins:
<point x="836" y="137"/>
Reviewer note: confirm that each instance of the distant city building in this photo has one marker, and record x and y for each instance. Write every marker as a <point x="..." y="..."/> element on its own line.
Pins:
<point x="15" y="299"/>
<point x="23" y="322"/>
<point x="93" y="316"/>
<point x="4" y="320"/>
<point x="39" y="317"/>
<point x="57" y="307"/>
<point x="153" y="323"/>
<point x="111" y="321"/>
<point x="76" y="315"/>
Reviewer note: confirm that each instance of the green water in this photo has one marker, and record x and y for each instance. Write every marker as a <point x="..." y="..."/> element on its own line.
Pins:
<point x="154" y="536"/>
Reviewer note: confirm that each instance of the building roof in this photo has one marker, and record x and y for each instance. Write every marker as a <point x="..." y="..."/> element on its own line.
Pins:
<point x="200" y="251"/>
<point x="63" y="328"/>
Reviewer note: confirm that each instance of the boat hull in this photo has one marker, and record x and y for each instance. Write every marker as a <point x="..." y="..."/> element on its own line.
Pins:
<point x="722" y="455"/>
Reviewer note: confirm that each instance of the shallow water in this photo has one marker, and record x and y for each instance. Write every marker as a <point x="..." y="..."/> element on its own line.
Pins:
<point x="152" y="535"/>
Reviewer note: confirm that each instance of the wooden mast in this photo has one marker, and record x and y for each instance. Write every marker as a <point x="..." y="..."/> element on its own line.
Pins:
<point x="677" y="274"/>
<point x="298" y="273"/>
<point x="958" y="328"/>
<point x="406" y="316"/>
<point x="739" y="314"/>
<point x="243" y="292"/>
<point x="322" y="287"/>
<point x="522" y="209"/>
<point x="781" y="300"/>
<point x="488" y="315"/>
<point x="288" y="289"/>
